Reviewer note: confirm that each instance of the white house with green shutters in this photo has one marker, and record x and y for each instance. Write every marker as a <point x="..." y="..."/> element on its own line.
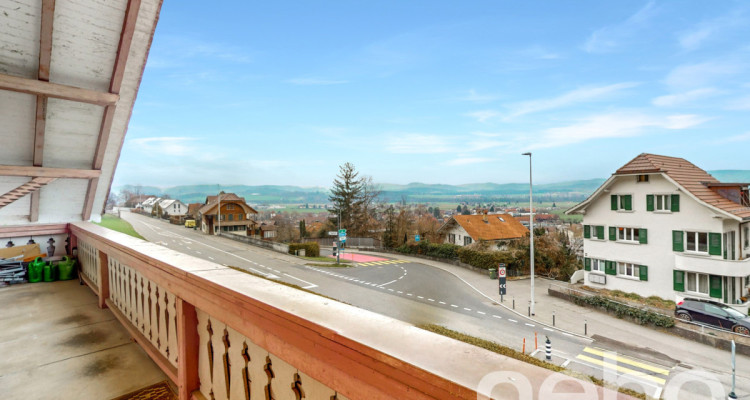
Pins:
<point x="660" y="226"/>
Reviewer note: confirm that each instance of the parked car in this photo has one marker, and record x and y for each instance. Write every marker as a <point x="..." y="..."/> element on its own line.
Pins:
<point x="713" y="313"/>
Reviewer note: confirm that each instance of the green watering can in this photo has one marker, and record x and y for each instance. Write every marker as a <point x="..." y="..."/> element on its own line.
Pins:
<point x="35" y="270"/>
<point x="66" y="267"/>
<point x="51" y="272"/>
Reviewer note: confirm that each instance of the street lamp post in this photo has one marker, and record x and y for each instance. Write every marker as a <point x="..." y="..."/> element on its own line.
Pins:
<point x="531" y="236"/>
<point x="338" y="253"/>
<point x="218" y="211"/>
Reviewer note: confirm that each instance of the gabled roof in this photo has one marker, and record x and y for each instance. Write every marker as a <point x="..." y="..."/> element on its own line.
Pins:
<point x="166" y="203"/>
<point x="488" y="227"/>
<point x="212" y="202"/>
<point x="193" y="208"/>
<point x="684" y="174"/>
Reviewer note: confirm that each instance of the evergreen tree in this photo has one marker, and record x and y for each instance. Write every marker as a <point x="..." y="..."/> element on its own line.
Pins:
<point x="436" y="212"/>
<point x="458" y="208"/>
<point x="492" y="208"/>
<point x="353" y="199"/>
<point x="302" y="229"/>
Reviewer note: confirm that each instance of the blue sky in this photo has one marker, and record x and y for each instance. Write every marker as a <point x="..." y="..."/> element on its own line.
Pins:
<point x="437" y="91"/>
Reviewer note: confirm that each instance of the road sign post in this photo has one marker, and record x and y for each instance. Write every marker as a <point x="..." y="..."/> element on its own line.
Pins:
<point x="501" y="273"/>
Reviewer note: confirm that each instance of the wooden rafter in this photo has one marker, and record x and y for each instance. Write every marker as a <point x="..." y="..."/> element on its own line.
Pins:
<point x="45" y="172"/>
<point x="29" y="187"/>
<point x="48" y="89"/>
<point x="45" y="57"/>
<point x="115" y="83"/>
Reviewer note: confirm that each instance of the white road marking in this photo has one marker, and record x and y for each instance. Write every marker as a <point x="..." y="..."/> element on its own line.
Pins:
<point x="430" y="299"/>
<point x="400" y="292"/>
<point x="548" y="329"/>
<point x="481" y="312"/>
<point x="512" y="320"/>
<point x="420" y="297"/>
<point x="390" y="290"/>
<point x="531" y="325"/>
<point x="454" y="306"/>
<point x="188" y="247"/>
<point x="309" y="284"/>
<point x="467" y="309"/>
<point x="386" y="284"/>
<point x="198" y="252"/>
<point x="210" y="257"/>
<point x="409" y="294"/>
<point x="497" y="316"/>
<point x="565" y="364"/>
<point x="441" y="302"/>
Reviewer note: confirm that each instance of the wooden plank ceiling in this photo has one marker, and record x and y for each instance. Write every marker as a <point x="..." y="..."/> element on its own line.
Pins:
<point x="83" y="93"/>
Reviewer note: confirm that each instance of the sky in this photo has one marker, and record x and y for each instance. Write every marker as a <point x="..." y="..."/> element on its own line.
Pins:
<point x="284" y="92"/>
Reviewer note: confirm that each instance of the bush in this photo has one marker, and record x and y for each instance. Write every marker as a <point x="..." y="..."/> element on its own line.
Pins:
<point x="312" y="249"/>
<point x="444" y="250"/>
<point x="642" y="316"/>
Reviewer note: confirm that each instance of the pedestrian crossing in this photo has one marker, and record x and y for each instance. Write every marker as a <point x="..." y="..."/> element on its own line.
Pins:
<point x="383" y="262"/>
<point x="623" y="365"/>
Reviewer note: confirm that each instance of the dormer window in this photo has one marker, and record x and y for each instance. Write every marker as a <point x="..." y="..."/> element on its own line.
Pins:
<point x="641" y="178"/>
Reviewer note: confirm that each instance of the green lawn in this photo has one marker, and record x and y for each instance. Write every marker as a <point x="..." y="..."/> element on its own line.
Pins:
<point x="119" y="225"/>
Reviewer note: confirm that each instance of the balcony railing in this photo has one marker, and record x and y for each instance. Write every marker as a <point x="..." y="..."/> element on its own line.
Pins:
<point x="219" y="333"/>
<point x="712" y="265"/>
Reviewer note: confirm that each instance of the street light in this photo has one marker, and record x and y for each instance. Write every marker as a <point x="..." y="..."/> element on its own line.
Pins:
<point x="531" y="236"/>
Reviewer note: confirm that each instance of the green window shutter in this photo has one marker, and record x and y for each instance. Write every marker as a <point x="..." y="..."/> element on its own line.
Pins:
<point x="714" y="288"/>
<point x="610" y="268"/>
<point x="649" y="202"/>
<point x="600" y="232"/>
<point x="678" y="241"/>
<point x="587" y="264"/>
<point x="675" y="203"/>
<point x="587" y="231"/>
<point x="628" y="200"/>
<point x="643" y="236"/>
<point x="613" y="201"/>
<point x="714" y="244"/>
<point x="643" y="270"/>
<point x="679" y="281"/>
<point x="612" y="233"/>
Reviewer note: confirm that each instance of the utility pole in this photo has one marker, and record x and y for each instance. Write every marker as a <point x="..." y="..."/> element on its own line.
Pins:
<point x="531" y="236"/>
<point x="338" y="253"/>
<point x="218" y="211"/>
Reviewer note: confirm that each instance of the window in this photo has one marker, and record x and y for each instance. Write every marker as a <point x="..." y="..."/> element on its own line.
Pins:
<point x="467" y="240"/>
<point x="641" y="178"/>
<point x="452" y="238"/>
<point x="593" y="232"/>
<point x="697" y="283"/>
<point x="662" y="202"/>
<point x="747" y="240"/>
<point x="628" y="269"/>
<point x="628" y="234"/>
<point x="597" y="265"/>
<point x="230" y="206"/>
<point x="231" y="217"/>
<point x="696" y="241"/>
<point x="622" y="202"/>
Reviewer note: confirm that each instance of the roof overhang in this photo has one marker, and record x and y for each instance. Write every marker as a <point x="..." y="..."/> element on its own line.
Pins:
<point x="69" y="76"/>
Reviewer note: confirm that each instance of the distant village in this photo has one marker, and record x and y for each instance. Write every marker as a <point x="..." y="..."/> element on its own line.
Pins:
<point x="463" y="225"/>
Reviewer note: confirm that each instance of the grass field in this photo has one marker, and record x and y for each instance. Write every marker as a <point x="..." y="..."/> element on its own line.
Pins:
<point x="119" y="225"/>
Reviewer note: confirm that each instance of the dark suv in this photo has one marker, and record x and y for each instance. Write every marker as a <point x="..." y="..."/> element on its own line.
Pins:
<point x="713" y="313"/>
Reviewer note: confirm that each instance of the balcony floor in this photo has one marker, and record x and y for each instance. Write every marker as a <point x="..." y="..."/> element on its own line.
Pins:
<point x="56" y="343"/>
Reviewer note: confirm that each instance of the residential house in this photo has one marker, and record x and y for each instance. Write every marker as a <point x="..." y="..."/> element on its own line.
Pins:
<point x="148" y="205"/>
<point x="464" y="230"/>
<point x="267" y="231"/>
<point x="172" y="207"/>
<point x="662" y="226"/>
<point x="192" y="212"/>
<point x="233" y="216"/>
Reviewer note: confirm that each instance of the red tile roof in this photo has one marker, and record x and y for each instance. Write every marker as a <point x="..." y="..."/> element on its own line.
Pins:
<point x="490" y="227"/>
<point x="686" y="175"/>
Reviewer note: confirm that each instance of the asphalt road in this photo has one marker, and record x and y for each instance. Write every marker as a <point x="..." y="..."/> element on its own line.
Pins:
<point x="421" y="294"/>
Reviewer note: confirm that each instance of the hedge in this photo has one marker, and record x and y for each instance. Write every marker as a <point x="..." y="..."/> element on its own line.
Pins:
<point x="444" y="250"/>
<point x="642" y="316"/>
<point x="475" y="258"/>
<point x="312" y="249"/>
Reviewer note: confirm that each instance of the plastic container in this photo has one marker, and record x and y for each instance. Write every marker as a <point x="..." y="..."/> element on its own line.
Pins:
<point x="67" y="268"/>
<point x="51" y="272"/>
<point x="36" y="268"/>
<point x="493" y="273"/>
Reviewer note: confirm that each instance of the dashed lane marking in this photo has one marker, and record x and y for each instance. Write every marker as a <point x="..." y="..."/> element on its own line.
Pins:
<point x="497" y="316"/>
<point x="531" y="325"/>
<point x="454" y="306"/>
<point x="512" y="320"/>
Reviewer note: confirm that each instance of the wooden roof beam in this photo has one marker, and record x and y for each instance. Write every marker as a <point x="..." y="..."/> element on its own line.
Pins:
<point x="45" y="57"/>
<point x="115" y="83"/>
<point x="45" y="172"/>
<point x="48" y="89"/>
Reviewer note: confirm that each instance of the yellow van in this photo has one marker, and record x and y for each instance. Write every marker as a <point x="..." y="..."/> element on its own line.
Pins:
<point x="190" y="223"/>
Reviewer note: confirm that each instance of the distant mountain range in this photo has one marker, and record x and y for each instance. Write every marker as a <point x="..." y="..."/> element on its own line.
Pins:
<point x="412" y="193"/>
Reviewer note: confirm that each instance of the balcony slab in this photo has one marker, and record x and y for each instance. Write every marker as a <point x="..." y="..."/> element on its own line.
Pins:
<point x="56" y="343"/>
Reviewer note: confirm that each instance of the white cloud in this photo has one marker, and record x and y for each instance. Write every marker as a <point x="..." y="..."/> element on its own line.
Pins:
<point x="743" y="137"/>
<point x="413" y="143"/>
<point x="573" y="97"/>
<point x="614" y="125"/>
<point x="475" y="97"/>
<point x="483" y="115"/>
<point x="702" y="74"/>
<point x="487" y="134"/>
<point x="315" y="81"/>
<point x="467" y="161"/>
<point x="742" y="103"/>
<point x="167" y="145"/>
<point x="607" y="39"/>
<point x="677" y="99"/>
<point x="695" y="38"/>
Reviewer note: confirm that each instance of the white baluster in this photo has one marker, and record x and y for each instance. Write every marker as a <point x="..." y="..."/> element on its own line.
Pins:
<point x="172" y="344"/>
<point x="204" y="365"/>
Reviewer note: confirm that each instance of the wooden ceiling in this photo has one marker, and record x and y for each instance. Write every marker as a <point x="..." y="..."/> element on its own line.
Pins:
<point x="69" y="74"/>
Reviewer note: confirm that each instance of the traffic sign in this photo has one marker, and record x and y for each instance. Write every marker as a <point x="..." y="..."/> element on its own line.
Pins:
<point x="501" y="273"/>
<point x="342" y="232"/>
<point x="332" y="233"/>
<point x="416" y="238"/>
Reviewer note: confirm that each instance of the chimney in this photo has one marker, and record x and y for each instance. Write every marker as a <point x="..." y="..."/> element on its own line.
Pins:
<point x="484" y="216"/>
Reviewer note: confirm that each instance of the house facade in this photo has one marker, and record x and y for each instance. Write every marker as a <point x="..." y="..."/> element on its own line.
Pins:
<point x="233" y="216"/>
<point x="463" y="230"/>
<point x="148" y="205"/>
<point x="172" y="207"/>
<point x="661" y="226"/>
